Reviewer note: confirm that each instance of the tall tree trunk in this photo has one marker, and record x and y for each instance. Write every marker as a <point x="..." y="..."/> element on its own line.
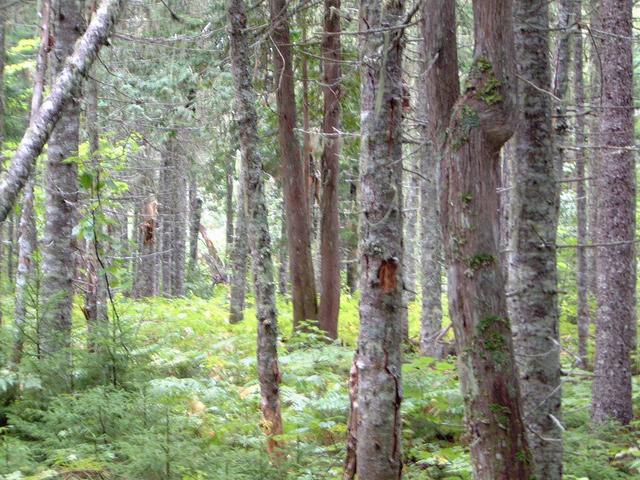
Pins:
<point x="378" y="359"/>
<point x="296" y="204"/>
<point x="561" y="81"/>
<point x="194" y="225"/>
<point x="581" y="194"/>
<point x="595" y="140"/>
<point x="61" y="187"/>
<point x="441" y="65"/>
<point x="146" y="271"/>
<point x="229" y="208"/>
<point x="239" y="256"/>
<point x="179" y="233"/>
<point x="167" y="214"/>
<point x="28" y="240"/>
<point x="481" y="122"/>
<point x="533" y="278"/>
<point x="330" y="165"/>
<point x="63" y="90"/>
<point x="351" y="250"/>
<point x="616" y="262"/>
<point x="258" y="226"/>
<point x="283" y="260"/>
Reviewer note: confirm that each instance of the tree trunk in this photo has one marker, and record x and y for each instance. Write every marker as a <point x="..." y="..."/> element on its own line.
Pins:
<point x="441" y="66"/>
<point x="63" y="90"/>
<point x="533" y="278"/>
<point x="167" y="215"/>
<point x="229" y="208"/>
<point x="330" y="165"/>
<point x="61" y="187"/>
<point x="581" y="195"/>
<point x="146" y="272"/>
<point x="194" y="226"/>
<point x="28" y="240"/>
<point x="293" y="180"/>
<point x="179" y="227"/>
<point x="379" y="357"/>
<point x="258" y="227"/>
<point x="616" y="324"/>
<point x="561" y="82"/>
<point x="351" y="250"/>
<point x="481" y="122"/>
<point x="239" y="258"/>
<point x="283" y="260"/>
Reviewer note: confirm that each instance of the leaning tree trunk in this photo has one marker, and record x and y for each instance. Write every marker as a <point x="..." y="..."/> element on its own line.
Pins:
<point x="295" y="199"/>
<point x="533" y="278"/>
<point x="481" y="122"/>
<point x="441" y="65"/>
<point x="616" y="260"/>
<point x="28" y="240"/>
<point x="258" y="225"/>
<point x="330" y="221"/>
<point x="61" y="188"/>
<point x="581" y="194"/>
<point x="71" y="74"/>
<point x="375" y="409"/>
<point x="239" y="255"/>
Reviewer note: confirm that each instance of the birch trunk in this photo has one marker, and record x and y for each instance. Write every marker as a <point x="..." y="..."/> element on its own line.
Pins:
<point x="62" y="92"/>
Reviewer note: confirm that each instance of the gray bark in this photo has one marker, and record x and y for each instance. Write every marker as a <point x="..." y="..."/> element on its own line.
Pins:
<point x="194" y="226"/>
<point x="378" y="359"/>
<point x="63" y="90"/>
<point x="583" y="319"/>
<point x="533" y="279"/>
<point x="166" y="212"/>
<point x="616" y="264"/>
<point x="239" y="255"/>
<point x="258" y="226"/>
<point x="61" y="188"/>
<point x="179" y="224"/>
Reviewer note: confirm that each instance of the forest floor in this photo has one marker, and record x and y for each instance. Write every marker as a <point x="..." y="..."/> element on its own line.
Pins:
<point x="185" y="405"/>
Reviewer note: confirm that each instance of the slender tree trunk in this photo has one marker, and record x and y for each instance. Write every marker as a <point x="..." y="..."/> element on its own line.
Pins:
<point x="481" y="122"/>
<point x="379" y="357"/>
<point x="229" y="209"/>
<point x="194" y="226"/>
<point x="258" y="227"/>
<point x="146" y="271"/>
<point x="61" y="187"/>
<point x="595" y="140"/>
<point x="293" y="180"/>
<point x="283" y="260"/>
<point x="239" y="256"/>
<point x="63" y="90"/>
<point x="330" y="220"/>
<point x="441" y="65"/>
<point x="2" y="61"/>
<point x="581" y="194"/>
<point x="351" y="250"/>
<point x="167" y="214"/>
<point x="561" y="82"/>
<point x="616" y="325"/>
<point x="533" y="278"/>
<point x="28" y="240"/>
<point x="179" y="227"/>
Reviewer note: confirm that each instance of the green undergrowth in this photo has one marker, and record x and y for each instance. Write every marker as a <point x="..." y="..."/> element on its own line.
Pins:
<point x="185" y="405"/>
